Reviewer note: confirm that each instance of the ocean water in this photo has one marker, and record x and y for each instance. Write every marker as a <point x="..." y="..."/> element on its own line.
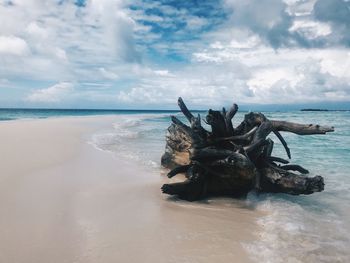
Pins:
<point x="7" y="114"/>
<point x="313" y="228"/>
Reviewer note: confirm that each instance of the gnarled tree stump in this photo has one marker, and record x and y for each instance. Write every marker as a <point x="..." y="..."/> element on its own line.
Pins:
<point x="233" y="161"/>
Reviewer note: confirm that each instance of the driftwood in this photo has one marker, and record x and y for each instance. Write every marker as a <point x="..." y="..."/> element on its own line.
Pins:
<point x="233" y="161"/>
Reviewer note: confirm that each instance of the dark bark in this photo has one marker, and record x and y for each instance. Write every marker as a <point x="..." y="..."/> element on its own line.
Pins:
<point x="279" y="181"/>
<point x="233" y="161"/>
<point x="295" y="167"/>
<point x="284" y="143"/>
<point x="229" y="116"/>
<point x="301" y="129"/>
<point x="178" y="169"/>
<point x="277" y="159"/>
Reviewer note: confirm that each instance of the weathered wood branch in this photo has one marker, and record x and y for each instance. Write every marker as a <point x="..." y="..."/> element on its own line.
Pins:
<point x="277" y="159"/>
<point x="228" y="118"/>
<point x="178" y="169"/>
<point x="194" y="121"/>
<point x="301" y="129"/>
<point x="232" y="112"/>
<point x="284" y="143"/>
<point x="233" y="161"/>
<point x="245" y="136"/>
<point x="278" y="181"/>
<point x="218" y="124"/>
<point x="253" y="119"/>
<point x="295" y="167"/>
<point x="184" y="109"/>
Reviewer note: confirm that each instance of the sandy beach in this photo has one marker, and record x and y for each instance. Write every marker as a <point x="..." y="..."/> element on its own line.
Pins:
<point x="62" y="200"/>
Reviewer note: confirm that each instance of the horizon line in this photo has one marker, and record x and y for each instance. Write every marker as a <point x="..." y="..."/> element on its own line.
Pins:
<point x="165" y="110"/>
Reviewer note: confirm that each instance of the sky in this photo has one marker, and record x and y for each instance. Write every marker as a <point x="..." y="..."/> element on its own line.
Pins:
<point x="144" y="54"/>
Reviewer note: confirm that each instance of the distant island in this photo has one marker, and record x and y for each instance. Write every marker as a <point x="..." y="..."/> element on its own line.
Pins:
<point x="314" y="110"/>
<point x="321" y="110"/>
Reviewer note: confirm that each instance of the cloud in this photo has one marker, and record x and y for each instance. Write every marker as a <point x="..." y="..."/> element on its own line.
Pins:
<point x="337" y="12"/>
<point x="163" y="73"/>
<point x="271" y="24"/>
<point x="223" y="73"/>
<point x="201" y="85"/>
<point x="308" y="81"/>
<point x="12" y="45"/>
<point x="66" y="39"/>
<point x="108" y="74"/>
<point x="53" y="94"/>
<point x="293" y="23"/>
<point x="311" y="29"/>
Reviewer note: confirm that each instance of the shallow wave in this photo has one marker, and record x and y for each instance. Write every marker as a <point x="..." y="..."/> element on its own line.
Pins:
<point x="297" y="230"/>
<point x="130" y="136"/>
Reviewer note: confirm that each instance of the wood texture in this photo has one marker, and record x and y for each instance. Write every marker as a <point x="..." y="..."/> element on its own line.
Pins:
<point x="231" y="160"/>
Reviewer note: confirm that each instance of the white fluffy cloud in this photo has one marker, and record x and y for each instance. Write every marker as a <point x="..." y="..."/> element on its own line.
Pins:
<point x="64" y="41"/>
<point x="225" y="73"/>
<point x="53" y="94"/>
<point x="11" y="45"/>
<point x="108" y="74"/>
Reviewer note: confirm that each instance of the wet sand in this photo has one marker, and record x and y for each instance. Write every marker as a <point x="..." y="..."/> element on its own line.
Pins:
<point x="62" y="200"/>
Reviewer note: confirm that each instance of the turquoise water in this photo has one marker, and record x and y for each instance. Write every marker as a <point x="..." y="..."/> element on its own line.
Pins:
<point x="13" y="114"/>
<point x="311" y="228"/>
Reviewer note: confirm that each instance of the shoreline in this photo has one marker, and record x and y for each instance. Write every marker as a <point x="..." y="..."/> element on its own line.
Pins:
<point x="65" y="201"/>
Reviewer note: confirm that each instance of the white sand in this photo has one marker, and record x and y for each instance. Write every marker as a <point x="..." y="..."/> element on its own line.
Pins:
<point x="62" y="200"/>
